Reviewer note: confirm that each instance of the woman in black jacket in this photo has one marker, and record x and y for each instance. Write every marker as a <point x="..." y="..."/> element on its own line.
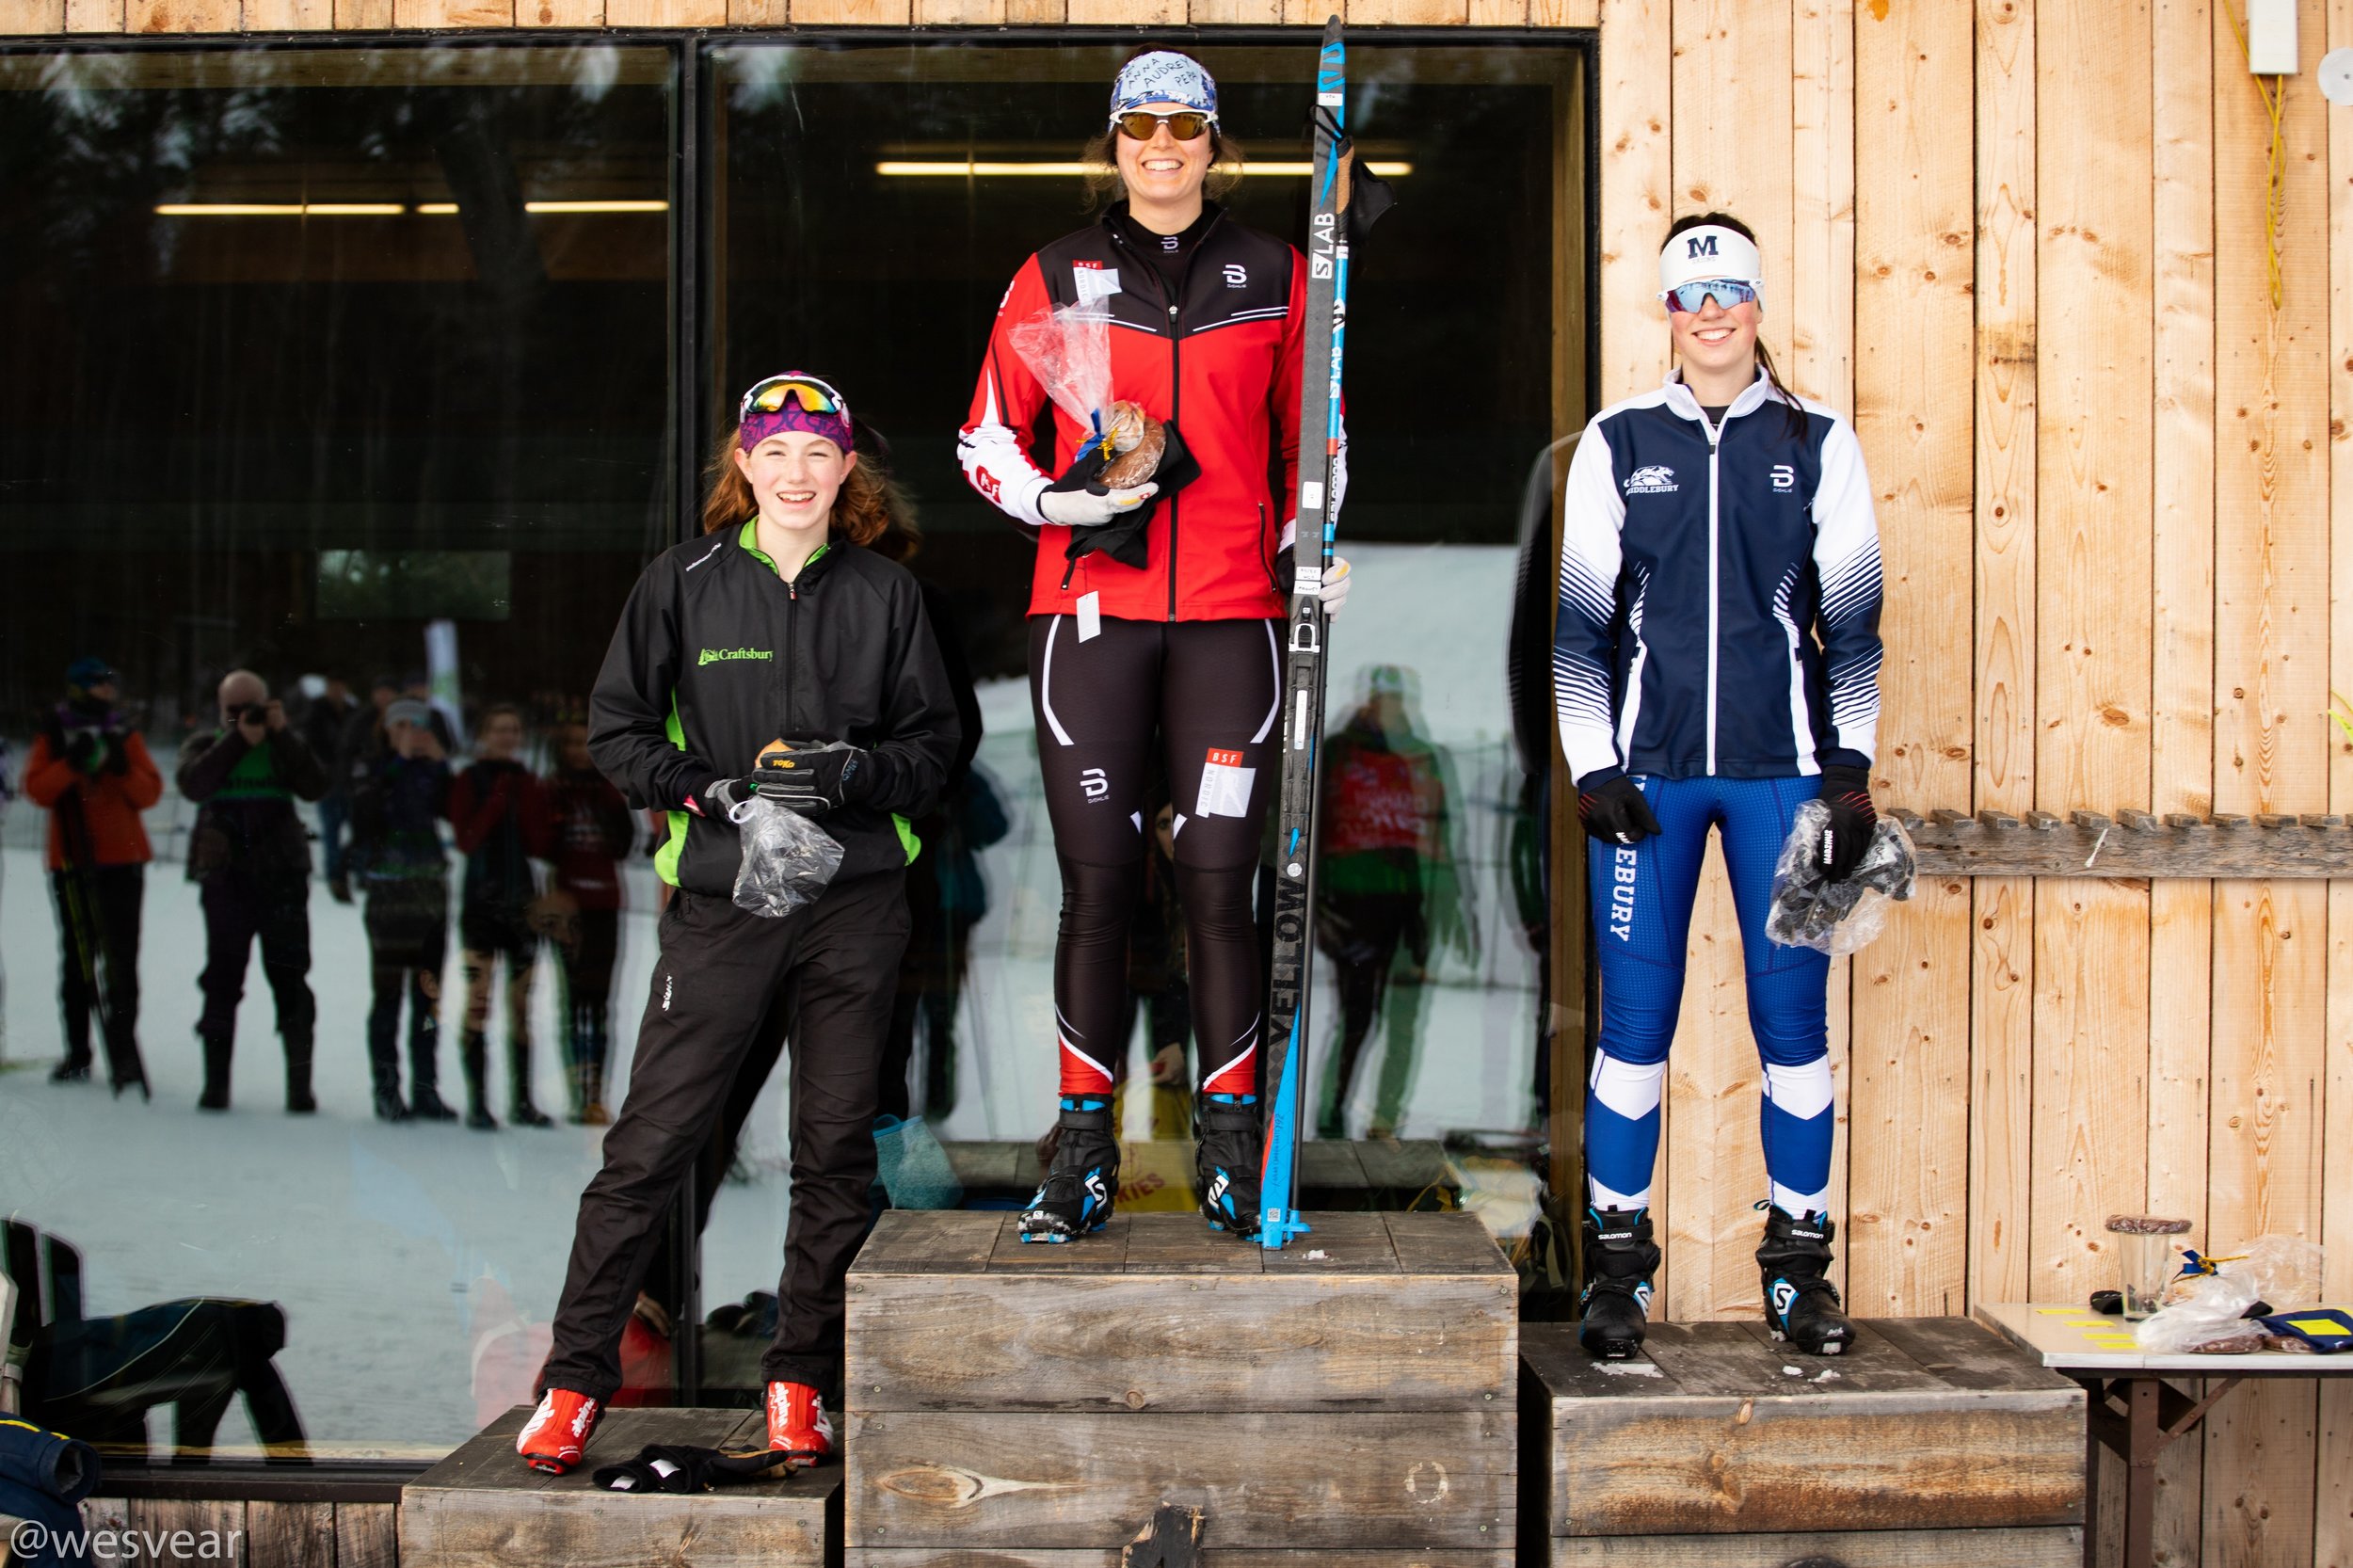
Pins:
<point x="776" y="625"/>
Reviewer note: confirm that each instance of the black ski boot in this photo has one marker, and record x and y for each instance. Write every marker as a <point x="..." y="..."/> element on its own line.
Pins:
<point x="1228" y="1161"/>
<point x="1083" y="1185"/>
<point x="74" y="1069"/>
<point x="1620" y="1259"/>
<point x="216" y="1050"/>
<point x="520" y="1109"/>
<point x="474" y="1057"/>
<point x="1801" y="1304"/>
<point x="425" y="1095"/>
<point x="299" y="1100"/>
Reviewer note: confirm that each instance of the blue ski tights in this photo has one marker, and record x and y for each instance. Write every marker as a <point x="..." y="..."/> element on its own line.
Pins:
<point x="1642" y="897"/>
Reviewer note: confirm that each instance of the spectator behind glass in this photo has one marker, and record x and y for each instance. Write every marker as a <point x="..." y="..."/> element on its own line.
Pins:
<point x="324" y="724"/>
<point x="589" y="830"/>
<point x="495" y="808"/>
<point x="252" y="860"/>
<point x="90" y="770"/>
<point x="397" y="857"/>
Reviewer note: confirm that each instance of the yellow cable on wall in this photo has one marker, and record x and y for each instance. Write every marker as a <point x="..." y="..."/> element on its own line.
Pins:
<point x="2274" y="95"/>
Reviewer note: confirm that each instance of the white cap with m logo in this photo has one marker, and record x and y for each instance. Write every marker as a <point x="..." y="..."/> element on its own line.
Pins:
<point x="1708" y="251"/>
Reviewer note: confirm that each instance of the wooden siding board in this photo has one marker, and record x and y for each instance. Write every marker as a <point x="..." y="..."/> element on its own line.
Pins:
<point x="2270" y="754"/>
<point x="2001" y="1085"/>
<point x="2093" y="431"/>
<point x="20" y="18"/>
<point x="1913" y="346"/>
<point x="2181" y="709"/>
<point x="2332" y="1511"/>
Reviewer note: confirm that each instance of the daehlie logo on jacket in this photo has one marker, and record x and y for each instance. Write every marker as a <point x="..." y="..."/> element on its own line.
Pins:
<point x="721" y="655"/>
<point x="1657" y="479"/>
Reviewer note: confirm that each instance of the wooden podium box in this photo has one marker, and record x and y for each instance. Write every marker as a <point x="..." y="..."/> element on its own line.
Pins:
<point x="483" y="1508"/>
<point x="1932" y="1442"/>
<point x="1347" y="1399"/>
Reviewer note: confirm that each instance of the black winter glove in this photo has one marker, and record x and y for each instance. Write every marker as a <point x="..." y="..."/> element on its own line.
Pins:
<point x="815" y="776"/>
<point x="1846" y="790"/>
<point x="681" y="1469"/>
<point x="86" y="750"/>
<point x="1612" y="808"/>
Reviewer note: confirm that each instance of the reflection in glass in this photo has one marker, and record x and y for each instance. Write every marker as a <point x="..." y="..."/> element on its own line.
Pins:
<point x="347" y="367"/>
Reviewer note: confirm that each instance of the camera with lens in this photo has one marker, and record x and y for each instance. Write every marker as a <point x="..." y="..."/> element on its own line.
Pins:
<point x="253" y="712"/>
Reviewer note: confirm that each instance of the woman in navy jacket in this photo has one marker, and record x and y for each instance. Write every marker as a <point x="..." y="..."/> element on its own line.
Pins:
<point x="1715" y="663"/>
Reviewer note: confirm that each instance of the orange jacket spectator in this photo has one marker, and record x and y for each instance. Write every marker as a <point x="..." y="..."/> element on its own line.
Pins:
<point x="112" y="798"/>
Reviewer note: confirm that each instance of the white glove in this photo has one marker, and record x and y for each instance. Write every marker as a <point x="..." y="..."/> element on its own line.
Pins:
<point x="1334" y="592"/>
<point x="1090" y="508"/>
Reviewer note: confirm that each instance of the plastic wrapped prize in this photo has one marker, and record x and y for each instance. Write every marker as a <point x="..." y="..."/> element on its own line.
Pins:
<point x="1809" y="910"/>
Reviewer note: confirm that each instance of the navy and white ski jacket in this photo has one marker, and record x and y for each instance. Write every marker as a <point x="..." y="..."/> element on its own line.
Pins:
<point x="1719" y="592"/>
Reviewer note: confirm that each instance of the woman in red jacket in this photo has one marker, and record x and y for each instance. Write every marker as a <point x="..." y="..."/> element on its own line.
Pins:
<point x="1154" y="614"/>
<point x="90" y="769"/>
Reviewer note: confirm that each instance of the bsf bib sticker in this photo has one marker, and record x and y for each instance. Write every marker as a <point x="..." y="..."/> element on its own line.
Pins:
<point x="1224" y="785"/>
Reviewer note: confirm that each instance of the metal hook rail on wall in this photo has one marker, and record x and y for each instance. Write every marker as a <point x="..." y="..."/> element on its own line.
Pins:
<point x="2132" y="845"/>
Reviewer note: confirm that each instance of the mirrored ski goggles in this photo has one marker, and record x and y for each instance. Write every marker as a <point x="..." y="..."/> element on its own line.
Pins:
<point x="1185" y="125"/>
<point x="814" y="396"/>
<point x="1688" y="298"/>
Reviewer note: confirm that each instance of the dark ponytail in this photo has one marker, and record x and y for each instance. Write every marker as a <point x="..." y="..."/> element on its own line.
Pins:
<point x="1795" y="426"/>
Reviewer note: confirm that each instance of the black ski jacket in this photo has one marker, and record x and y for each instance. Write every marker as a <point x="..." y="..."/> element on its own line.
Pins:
<point x="716" y="656"/>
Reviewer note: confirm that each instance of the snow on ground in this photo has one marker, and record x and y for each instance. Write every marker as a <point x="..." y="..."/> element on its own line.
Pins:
<point x="414" y="1260"/>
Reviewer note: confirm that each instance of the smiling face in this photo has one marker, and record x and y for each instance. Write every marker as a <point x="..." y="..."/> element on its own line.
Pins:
<point x="1162" y="171"/>
<point x="794" y="477"/>
<point x="502" y="736"/>
<point x="1717" y="343"/>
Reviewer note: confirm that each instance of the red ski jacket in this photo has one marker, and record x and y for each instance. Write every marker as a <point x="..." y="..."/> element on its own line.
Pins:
<point x="1221" y="362"/>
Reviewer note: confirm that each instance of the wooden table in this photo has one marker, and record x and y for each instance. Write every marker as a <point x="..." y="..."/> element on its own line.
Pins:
<point x="2133" y="1411"/>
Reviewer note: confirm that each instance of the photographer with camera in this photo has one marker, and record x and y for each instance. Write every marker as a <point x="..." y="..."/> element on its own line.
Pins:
<point x="253" y="859"/>
<point x="90" y="770"/>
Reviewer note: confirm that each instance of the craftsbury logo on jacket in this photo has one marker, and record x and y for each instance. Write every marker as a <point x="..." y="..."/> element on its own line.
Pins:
<point x="716" y="656"/>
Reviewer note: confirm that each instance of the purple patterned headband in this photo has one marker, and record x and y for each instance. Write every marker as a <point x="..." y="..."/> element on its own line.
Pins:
<point x="794" y="401"/>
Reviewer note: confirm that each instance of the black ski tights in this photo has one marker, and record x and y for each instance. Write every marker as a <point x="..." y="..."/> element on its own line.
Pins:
<point x="1091" y="1001"/>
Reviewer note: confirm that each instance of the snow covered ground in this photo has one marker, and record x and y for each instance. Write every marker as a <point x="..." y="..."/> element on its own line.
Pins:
<point x="419" y="1264"/>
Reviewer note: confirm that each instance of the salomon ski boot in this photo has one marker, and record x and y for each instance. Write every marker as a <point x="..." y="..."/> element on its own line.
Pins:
<point x="1083" y="1184"/>
<point x="558" y="1431"/>
<point x="1228" y="1161"/>
<point x="1620" y="1259"/>
<point x="798" y="1428"/>
<point x="1801" y="1304"/>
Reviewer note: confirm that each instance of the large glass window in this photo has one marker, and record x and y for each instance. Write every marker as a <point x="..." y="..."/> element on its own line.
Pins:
<point x="353" y="367"/>
<point x="344" y="366"/>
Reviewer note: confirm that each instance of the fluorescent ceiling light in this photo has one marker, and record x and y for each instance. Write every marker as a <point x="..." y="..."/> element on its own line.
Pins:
<point x="379" y="209"/>
<point x="914" y="168"/>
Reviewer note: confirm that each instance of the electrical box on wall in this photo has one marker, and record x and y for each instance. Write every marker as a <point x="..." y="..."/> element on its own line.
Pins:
<point x="2271" y="36"/>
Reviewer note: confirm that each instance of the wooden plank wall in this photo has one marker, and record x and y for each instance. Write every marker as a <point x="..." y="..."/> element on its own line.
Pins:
<point x="2024" y="242"/>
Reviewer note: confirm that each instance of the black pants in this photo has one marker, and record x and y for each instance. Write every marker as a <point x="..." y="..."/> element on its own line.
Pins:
<point x="585" y="953"/>
<point x="1209" y="690"/>
<point x="101" y="941"/>
<point x="1361" y="933"/>
<point x="408" y="923"/>
<point x="238" y="910"/>
<point x="834" y="966"/>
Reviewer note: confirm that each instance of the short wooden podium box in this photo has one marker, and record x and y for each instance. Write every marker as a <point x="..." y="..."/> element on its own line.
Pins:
<point x="1931" y="1444"/>
<point x="1347" y="1399"/>
<point x="483" y="1508"/>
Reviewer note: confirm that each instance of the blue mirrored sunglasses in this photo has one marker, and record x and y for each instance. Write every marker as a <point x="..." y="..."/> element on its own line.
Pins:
<point x="1687" y="298"/>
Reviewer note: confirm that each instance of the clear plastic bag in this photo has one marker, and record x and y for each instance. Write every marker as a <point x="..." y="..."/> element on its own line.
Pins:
<point x="1810" y="910"/>
<point x="1068" y="348"/>
<point x="912" y="1167"/>
<point x="2208" y="1311"/>
<point x="787" y="860"/>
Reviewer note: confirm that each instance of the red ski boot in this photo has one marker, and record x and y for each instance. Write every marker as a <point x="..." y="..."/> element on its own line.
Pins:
<point x="798" y="1426"/>
<point x="558" y="1431"/>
